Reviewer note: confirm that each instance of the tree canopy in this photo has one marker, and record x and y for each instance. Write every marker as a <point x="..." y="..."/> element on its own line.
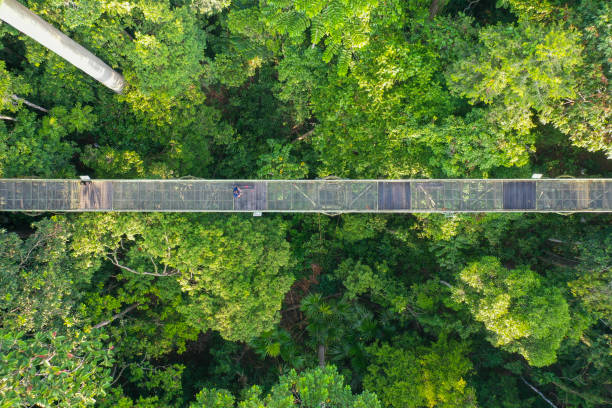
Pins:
<point x="182" y="310"/>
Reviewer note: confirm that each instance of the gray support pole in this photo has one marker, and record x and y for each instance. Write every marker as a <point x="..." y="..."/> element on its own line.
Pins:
<point x="21" y="18"/>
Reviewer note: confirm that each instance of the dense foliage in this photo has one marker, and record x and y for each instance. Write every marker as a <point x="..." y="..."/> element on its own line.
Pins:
<point x="223" y="311"/>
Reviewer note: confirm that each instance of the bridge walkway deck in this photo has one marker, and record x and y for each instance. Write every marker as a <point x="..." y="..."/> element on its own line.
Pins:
<point x="336" y="196"/>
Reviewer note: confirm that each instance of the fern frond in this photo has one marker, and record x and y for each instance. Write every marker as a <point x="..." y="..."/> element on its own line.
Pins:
<point x="331" y="50"/>
<point x="298" y="23"/>
<point x="292" y="22"/>
<point x="317" y="30"/>
<point x="310" y="7"/>
<point x="344" y="60"/>
<point x="356" y="35"/>
<point x="279" y="4"/>
<point x="334" y="15"/>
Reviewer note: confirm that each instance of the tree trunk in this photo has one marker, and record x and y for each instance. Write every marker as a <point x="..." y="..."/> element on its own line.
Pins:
<point x="21" y="18"/>
<point x="321" y="353"/>
<point x="435" y="6"/>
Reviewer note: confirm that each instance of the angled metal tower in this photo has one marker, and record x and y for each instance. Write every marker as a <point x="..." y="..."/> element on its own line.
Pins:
<point x="24" y="20"/>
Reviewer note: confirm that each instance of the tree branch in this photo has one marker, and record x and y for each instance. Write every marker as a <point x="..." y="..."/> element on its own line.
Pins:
<point x="469" y="6"/>
<point x="117" y="316"/>
<point x="591" y="398"/>
<point x="40" y="241"/>
<point x="445" y="283"/>
<point x="118" y="375"/>
<point x="538" y="392"/>
<point x="28" y="103"/>
<point x="115" y="261"/>
<point x="414" y="314"/>
<point x="3" y="117"/>
<point x="304" y="136"/>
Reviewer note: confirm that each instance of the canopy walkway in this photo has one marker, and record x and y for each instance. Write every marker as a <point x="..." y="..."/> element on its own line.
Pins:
<point x="325" y="196"/>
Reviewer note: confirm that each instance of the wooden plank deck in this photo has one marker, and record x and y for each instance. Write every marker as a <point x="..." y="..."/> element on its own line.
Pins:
<point x="253" y="197"/>
<point x="519" y="195"/>
<point x="393" y="195"/>
<point x="96" y="195"/>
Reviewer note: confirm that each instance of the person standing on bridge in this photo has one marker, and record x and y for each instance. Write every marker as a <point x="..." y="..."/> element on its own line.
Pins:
<point x="237" y="192"/>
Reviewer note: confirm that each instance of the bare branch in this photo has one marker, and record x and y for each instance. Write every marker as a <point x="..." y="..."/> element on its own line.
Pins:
<point x="40" y="241"/>
<point x="3" y="117"/>
<point x="538" y="392"/>
<point x="445" y="283"/>
<point x="154" y="264"/>
<point x="117" y="316"/>
<point x="25" y="258"/>
<point x="115" y="261"/>
<point x="469" y="6"/>
<point x="118" y="375"/>
<point x="556" y="241"/>
<point x="304" y="136"/>
<point x="28" y="103"/>
<point x="412" y="312"/>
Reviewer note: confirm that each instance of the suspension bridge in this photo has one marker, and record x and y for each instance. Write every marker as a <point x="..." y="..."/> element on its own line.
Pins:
<point x="324" y="196"/>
